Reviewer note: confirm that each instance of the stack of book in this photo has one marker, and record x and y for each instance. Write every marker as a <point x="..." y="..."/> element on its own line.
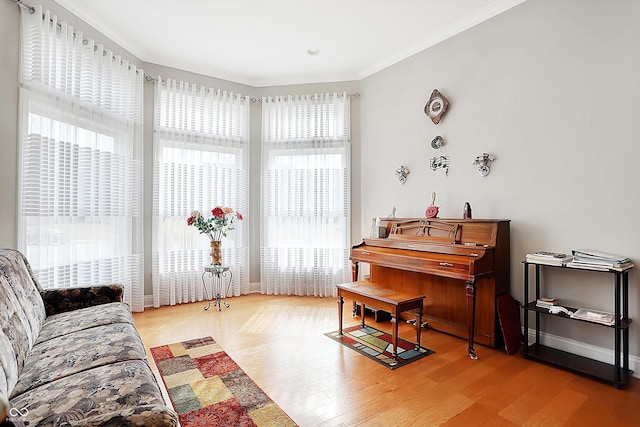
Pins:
<point x="550" y="258"/>
<point x="596" y="316"/>
<point x="596" y="260"/>
<point x="546" y="302"/>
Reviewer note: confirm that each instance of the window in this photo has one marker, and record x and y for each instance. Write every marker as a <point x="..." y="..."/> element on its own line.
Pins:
<point x="80" y="185"/>
<point x="305" y="194"/>
<point x="201" y="139"/>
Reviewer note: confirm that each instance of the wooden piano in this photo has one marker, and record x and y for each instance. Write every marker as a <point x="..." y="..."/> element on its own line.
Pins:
<point x="461" y="265"/>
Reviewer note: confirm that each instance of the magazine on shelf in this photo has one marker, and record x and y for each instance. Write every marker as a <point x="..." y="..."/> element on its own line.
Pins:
<point x="546" y="257"/>
<point x="597" y="267"/>
<point x="577" y="263"/>
<point x="589" y="256"/>
<point x="547" y="254"/>
<point x="596" y="316"/>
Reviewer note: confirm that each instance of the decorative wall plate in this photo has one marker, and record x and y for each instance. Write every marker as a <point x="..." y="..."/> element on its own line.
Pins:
<point x="436" y="106"/>
<point x="437" y="142"/>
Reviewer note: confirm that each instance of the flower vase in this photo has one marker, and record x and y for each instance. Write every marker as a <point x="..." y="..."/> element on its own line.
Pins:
<point x="216" y="253"/>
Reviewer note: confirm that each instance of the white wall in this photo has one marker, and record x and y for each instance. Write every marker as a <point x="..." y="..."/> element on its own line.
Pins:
<point x="551" y="88"/>
<point x="9" y="27"/>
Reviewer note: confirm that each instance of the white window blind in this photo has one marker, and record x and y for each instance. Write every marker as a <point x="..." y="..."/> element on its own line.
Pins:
<point x="201" y="151"/>
<point x="305" y="194"/>
<point x="80" y="184"/>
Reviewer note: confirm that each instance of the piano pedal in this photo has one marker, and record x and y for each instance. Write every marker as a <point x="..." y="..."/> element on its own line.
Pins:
<point x="422" y="325"/>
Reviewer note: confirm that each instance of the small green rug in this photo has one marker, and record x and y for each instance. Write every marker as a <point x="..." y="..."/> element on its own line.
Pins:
<point x="377" y="345"/>
<point x="207" y="388"/>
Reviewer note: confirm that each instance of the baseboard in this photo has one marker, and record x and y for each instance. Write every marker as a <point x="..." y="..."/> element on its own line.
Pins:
<point x="148" y="301"/>
<point x="585" y="350"/>
<point x="254" y="288"/>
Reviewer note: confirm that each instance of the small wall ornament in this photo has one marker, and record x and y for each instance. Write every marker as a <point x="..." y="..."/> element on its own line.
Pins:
<point x="402" y="173"/>
<point x="436" y="106"/>
<point x="437" y="142"/>
<point x="483" y="162"/>
<point x="440" y="162"/>
<point x="432" y="211"/>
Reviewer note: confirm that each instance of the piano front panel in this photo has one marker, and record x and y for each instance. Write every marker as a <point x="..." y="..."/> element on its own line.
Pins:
<point x="453" y="266"/>
<point x="445" y="305"/>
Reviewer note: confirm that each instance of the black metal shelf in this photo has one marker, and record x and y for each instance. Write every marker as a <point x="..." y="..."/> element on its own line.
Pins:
<point x="617" y="373"/>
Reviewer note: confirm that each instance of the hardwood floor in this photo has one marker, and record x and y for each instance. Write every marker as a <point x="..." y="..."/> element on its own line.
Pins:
<point x="279" y="342"/>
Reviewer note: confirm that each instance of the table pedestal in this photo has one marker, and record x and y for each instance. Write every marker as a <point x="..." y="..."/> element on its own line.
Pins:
<point x="220" y="279"/>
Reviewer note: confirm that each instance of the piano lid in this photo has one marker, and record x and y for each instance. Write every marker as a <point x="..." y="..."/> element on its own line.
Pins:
<point x="424" y="245"/>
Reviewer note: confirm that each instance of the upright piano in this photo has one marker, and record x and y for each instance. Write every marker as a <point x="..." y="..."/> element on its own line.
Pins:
<point x="461" y="265"/>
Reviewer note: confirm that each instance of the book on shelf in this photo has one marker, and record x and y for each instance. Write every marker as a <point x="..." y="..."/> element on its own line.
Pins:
<point x="546" y="302"/>
<point x="595" y="316"/>
<point x="546" y="257"/>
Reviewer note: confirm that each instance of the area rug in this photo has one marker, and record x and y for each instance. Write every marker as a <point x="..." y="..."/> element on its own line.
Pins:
<point x="377" y="345"/>
<point x="207" y="388"/>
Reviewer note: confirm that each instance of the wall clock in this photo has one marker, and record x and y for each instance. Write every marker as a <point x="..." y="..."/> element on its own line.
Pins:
<point x="436" y="106"/>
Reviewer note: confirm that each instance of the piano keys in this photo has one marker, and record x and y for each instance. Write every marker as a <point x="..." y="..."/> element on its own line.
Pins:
<point x="461" y="265"/>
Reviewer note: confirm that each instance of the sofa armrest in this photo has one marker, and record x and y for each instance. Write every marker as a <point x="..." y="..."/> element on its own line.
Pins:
<point x="60" y="300"/>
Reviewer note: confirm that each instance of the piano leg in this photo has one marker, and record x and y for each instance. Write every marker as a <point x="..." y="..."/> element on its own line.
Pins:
<point x="362" y="313"/>
<point x="340" y="305"/>
<point x="418" y="327"/>
<point x="471" y="317"/>
<point x="394" y="338"/>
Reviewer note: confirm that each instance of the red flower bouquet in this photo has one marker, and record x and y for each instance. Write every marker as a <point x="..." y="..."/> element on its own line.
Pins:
<point x="215" y="227"/>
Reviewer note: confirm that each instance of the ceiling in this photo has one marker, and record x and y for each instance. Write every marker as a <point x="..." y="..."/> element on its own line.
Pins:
<point x="266" y="42"/>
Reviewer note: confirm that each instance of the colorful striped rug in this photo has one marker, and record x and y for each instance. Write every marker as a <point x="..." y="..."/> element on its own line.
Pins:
<point x="376" y="345"/>
<point x="207" y="388"/>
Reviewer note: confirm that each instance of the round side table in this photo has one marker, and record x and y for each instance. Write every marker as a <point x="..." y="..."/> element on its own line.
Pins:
<point x="220" y="278"/>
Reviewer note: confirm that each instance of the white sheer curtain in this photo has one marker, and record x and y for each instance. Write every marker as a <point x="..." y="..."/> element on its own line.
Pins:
<point x="305" y="194"/>
<point x="201" y="160"/>
<point x="80" y="184"/>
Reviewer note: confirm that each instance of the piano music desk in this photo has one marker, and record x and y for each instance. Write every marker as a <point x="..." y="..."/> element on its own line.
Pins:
<point x="385" y="299"/>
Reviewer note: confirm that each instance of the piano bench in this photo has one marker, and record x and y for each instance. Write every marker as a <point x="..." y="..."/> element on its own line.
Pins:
<point x="392" y="301"/>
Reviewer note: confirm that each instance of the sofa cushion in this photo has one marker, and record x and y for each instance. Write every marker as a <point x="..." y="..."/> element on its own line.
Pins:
<point x="58" y="301"/>
<point x="72" y="353"/>
<point x="117" y="391"/>
<point x="84" y="318"/>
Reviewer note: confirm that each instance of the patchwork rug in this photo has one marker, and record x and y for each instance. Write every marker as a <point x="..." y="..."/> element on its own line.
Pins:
<point x="377" y="345"/>
<point x="207" y="388"/>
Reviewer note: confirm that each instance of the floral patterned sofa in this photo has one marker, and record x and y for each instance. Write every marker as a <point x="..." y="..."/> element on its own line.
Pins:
<point x="72" y="357"/>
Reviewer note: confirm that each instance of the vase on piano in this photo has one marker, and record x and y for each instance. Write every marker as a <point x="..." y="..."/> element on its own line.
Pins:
<point x="216" y="252"/>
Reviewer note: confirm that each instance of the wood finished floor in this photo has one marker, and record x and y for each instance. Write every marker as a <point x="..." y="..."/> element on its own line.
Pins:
<point x="279" y="342"/>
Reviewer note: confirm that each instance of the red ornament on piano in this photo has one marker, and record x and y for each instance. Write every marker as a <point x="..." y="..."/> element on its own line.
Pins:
<point x="432" y="211"/>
